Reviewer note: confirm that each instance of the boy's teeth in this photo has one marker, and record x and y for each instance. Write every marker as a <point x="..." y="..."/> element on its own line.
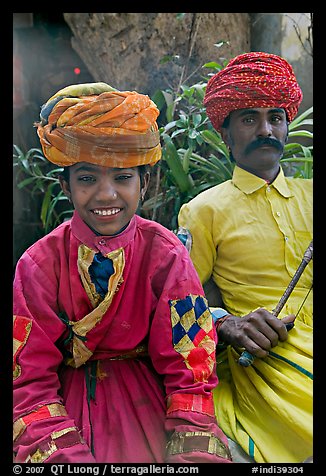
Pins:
<point x="111" y="211"/>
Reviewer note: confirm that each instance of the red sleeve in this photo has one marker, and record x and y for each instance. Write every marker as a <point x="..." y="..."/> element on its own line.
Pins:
<point x="43" y="431"/>
<point x="182" y="347"/>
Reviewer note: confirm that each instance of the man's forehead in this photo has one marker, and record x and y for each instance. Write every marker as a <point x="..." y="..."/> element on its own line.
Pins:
<point x="258" y="110"/>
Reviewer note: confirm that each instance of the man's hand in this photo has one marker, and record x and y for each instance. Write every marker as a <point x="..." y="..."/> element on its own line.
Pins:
<point x="257" y="332"/>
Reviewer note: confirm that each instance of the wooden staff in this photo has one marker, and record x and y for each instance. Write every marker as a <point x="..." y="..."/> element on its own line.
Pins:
<point x="246" y="359"/>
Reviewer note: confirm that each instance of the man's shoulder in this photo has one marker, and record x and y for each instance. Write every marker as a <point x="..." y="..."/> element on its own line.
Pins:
<point x="300" y="184"/>
<point x="212" y="197"/>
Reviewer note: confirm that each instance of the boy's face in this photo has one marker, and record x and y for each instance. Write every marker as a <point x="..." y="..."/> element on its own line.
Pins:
<point x="105" y="198"/>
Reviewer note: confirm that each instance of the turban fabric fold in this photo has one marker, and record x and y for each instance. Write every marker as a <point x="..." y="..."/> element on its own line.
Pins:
<point x="252" y="80"/>
<point x="95" y="123"/>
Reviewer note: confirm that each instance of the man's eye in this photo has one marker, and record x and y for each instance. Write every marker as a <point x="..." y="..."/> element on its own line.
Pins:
<point x="277" y="119"/>
<point x="248" y="119"/>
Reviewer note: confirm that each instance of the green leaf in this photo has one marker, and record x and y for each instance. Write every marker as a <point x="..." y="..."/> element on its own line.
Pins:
<point x="212" y="64"/>
<point x="169" y="112"/>
<point x="186" y="160"/>
<point x="166" y="59"/>
<point x="196" y="119"/>
<point x="159" y="99"/>
<point x="212" y="138"/>
<point x="177" y="132"/>
<point x="301" y="133"/>
<point x="221" y="43"/>
<point x="192" y="133"/>
<point x="305" y="122"/>
<point x="25" y="182"/>
<point x="45" y="204"/>
<point x="172" y="158"/>
<point x="169" y="126"/>
<point x="300" y="118"/>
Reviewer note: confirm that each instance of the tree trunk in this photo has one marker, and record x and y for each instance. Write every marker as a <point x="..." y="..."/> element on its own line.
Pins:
<point x="126" y="49"/>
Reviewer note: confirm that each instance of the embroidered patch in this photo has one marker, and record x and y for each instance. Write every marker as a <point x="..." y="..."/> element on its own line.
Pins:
<point x="189" y="441"/>
<point x="21" y="329"/>
<point x="190" y="402"/>
<point x="58" y="440"/>
<point x="39" y="413"/>
<point x="193" y="335"/>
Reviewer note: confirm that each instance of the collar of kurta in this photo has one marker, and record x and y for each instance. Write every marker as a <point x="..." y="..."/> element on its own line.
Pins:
<point x="108" y="243"/>
<point x="249" y="183"/>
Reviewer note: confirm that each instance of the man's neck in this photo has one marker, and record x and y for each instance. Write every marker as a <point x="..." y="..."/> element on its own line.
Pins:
<point x="268" y="175"/>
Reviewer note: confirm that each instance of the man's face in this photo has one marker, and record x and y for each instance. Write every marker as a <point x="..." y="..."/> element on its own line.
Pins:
<point x="105" y="198"/>
<point x="256" y="138"/>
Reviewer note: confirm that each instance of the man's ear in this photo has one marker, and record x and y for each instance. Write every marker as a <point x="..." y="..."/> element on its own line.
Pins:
<point x="65" y="187"/>
<point x="225" y="135"/>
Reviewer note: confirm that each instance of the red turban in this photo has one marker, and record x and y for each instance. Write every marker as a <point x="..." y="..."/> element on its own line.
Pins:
<point x="252" y="80"/>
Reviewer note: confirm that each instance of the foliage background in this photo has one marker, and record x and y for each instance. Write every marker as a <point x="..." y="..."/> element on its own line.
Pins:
<point x="194" y="158"/>
<point x="165" y="53"/>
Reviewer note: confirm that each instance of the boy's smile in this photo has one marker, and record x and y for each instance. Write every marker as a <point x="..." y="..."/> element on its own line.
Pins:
<point x="106" y="198"/>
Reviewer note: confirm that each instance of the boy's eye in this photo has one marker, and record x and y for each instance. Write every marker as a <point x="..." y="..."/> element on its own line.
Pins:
<point x="123" y="177"/>
<point x="86" y="178"/>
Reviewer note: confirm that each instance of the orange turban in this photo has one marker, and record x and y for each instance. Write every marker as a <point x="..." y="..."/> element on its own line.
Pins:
<point x="252" y="80"/>
<point x="95" y="123"/>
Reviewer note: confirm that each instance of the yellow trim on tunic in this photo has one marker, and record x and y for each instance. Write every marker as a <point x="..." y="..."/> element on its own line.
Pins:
<point x="18" y="344"/>
<point x="81" y="353"/>
<point x="39" y="456"/>
<point x="53" y="410"/>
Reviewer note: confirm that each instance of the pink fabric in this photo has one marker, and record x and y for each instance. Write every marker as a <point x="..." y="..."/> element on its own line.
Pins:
<point x="128" y="415"/>
<point x="129" y="411"/>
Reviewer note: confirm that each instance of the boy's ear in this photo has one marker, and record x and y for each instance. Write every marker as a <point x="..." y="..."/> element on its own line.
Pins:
<point x="146" y="180"/>
<point x="65" y="187"/>
<point x="145" y="184"/>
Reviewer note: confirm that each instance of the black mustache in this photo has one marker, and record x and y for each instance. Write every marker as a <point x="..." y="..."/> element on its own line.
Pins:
<point x="264" y="141"/>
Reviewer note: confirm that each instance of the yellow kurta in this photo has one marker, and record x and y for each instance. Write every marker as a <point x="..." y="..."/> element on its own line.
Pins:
<point x="251" y="237"/>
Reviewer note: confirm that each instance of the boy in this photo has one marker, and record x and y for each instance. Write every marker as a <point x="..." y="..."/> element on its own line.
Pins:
<point x="114" y="345"/>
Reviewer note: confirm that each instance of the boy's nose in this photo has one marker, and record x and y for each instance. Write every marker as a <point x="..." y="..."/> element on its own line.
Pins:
<point x="107" y="190"/>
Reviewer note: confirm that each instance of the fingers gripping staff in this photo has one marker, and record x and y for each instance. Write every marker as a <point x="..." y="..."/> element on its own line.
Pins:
<point x="246" y="359"/>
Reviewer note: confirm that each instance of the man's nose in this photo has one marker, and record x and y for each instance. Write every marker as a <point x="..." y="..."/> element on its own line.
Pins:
<point x="264" y="129"/>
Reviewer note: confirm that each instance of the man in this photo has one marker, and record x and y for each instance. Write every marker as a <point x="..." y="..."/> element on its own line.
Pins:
<point x="249" y="235"/>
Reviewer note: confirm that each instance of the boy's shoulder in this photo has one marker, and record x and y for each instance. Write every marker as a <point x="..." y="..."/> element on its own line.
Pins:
<point x="51" y="240"/>
<point x="156" y="231"/>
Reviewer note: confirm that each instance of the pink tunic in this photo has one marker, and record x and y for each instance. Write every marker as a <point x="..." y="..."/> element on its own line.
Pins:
<point x="110" y="379"/>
